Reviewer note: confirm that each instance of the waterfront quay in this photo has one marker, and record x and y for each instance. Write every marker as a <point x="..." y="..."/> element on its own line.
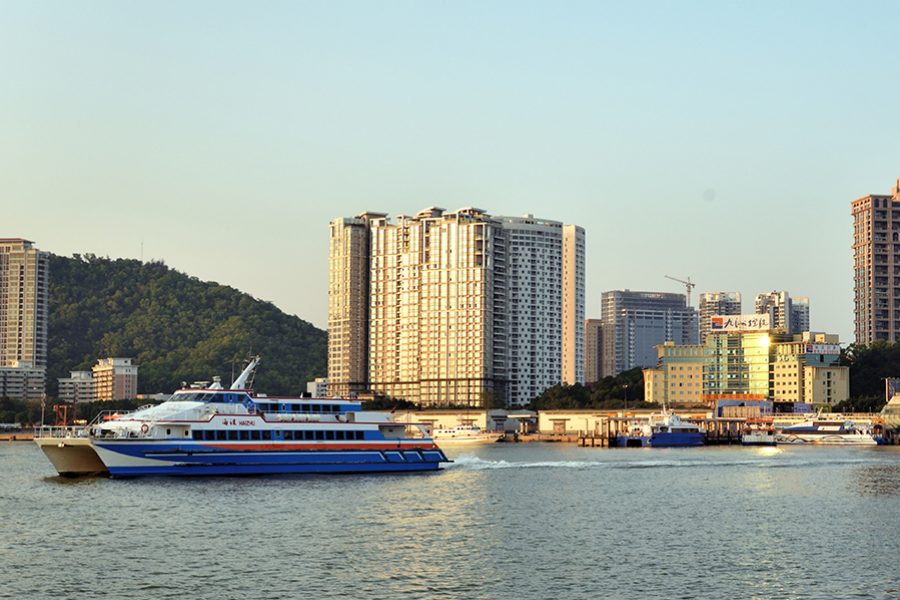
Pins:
<point x="597" y="428"/>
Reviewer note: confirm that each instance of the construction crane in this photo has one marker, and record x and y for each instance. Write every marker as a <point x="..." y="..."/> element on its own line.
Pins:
<point x="689" y="285"/>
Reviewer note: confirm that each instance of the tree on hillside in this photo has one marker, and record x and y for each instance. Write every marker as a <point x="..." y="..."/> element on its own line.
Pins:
<point x="177" y="327"/>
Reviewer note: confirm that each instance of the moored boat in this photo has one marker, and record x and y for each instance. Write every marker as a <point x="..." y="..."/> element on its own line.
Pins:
<point x="831" y="431"/>
<point x="758" y="432"/>
<point x="215" y="431"/>
<point x="464" y="434"/>
<point x="662" y="430"/>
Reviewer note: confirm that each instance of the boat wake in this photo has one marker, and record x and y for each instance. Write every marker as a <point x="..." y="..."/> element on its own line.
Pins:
<point x="474" y="463"/>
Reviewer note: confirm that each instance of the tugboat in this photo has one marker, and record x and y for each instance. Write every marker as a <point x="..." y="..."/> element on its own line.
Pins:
<point x="662" y="430"/>
<point x="215" y="431"/>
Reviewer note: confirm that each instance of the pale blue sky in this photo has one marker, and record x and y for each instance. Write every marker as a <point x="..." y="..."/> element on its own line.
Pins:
<point x="720" y="140"/>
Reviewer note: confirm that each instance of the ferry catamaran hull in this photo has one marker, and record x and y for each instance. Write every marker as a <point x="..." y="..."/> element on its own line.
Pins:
<point x="235" y="432"/>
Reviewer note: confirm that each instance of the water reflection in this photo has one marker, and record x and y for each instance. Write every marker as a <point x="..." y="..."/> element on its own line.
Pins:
<point x="878" y="480"/>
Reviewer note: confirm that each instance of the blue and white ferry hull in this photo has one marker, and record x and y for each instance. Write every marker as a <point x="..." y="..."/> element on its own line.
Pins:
<point x="127" y="458"/>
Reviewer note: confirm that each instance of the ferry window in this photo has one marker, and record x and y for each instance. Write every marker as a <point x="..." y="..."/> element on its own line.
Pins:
<point x="254" y="435"/>
<point x="266" y="434"/>
<point x="208" y="435"/>
<point x="168" y="432"/>
<point x="244" y="435"/>
<point x="198" y="435"/>
<point x="329" y="435"/>
<point x="305" y="407"/>
<point x="317" y="408"/>
<point x="233" y="435"/>
<point x="294" y="408"/>
<point x="360" y="435"/>
<point x="308" y="435"/>
<point x="320" y="435"/>
<point x="220" y="435"/>
<point x="339" y="435"/>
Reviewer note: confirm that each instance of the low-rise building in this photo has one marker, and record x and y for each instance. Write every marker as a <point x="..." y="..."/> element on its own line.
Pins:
<point x="317" y="388"/>
<point x="115" y="379"/>
<point x="745" y="359"/>
<point x="22" y="382"/>
<point x="78" y="387"/>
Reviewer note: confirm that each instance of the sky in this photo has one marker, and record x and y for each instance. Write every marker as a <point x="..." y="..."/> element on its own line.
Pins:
<point x="718" y="140"/>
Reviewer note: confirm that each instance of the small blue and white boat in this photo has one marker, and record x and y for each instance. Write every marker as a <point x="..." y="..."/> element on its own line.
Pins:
<point x="662" y="430"/>
<point x="215" y="431"/>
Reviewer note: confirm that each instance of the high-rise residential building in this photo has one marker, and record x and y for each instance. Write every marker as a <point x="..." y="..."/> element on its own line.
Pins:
<point x="573" y="305"/>
<point x="593" y="340"/>
<point x="876" y="266"/>
<point x="78" y="387"/>
<point x="24" y="284"/>
<point x="115" y="379"/>
<point x="634" y="323"/>
<point x="717" y="303"/>
<point x="463" y="308"/>
<point x="779" y="307"/>
<point x="544" y="296"/>
<point x="348" y="304"/>
<point x="800" y="314"/>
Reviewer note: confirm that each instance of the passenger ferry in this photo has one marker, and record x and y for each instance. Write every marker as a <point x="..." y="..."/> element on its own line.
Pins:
<point x="825" y="431"/>
<point x="662" y="430"/>
<point x="216" y="431"/>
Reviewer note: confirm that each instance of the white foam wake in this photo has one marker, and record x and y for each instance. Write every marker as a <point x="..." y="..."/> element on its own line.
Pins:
<point x="473" y="463"/>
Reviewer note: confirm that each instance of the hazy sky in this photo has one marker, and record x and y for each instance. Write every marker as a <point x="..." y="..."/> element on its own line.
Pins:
<point x="720" y="140"/>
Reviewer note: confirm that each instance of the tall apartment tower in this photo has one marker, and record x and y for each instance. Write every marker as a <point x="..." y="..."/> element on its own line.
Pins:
<point x="779" y="306"/>
<point x="876" y="266"/>
<point x="593" y="340"/>
<point x="717" y="303"/>
<point x="634" y="323"/>
<point x="24" y="284"/>
<point x="463" y="308"/>
<point x="800" y="314"/>
<point x="544" y="297"/>
<point x="348" y="304"/>
<point x="573" y="305"/>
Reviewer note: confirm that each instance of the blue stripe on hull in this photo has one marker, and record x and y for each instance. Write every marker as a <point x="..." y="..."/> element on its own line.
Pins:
<point x="661" y="440"/>
<point x="274" y="469"/>
<point x="676" y="440"/>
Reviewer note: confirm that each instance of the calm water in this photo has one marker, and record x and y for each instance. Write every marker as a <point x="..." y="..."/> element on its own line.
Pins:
<point x="504" y="521"/>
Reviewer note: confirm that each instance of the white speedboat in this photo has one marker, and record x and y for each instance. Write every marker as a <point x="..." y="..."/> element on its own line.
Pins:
<point x="464" y="434"/>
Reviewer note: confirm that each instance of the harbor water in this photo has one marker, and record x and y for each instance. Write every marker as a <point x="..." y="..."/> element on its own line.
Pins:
<point x="502" y="521"/>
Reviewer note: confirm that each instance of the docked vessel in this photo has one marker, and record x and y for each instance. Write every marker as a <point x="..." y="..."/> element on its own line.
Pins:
<point x="826" y="431"/>
<point x="662" y="430"/>
<point x="464" y="434"/>
<point x="758" y="432"/>
<point x="216" y="431"/>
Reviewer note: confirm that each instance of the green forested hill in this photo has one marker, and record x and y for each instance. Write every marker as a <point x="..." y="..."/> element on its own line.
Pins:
<point x="177" y="327"/>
